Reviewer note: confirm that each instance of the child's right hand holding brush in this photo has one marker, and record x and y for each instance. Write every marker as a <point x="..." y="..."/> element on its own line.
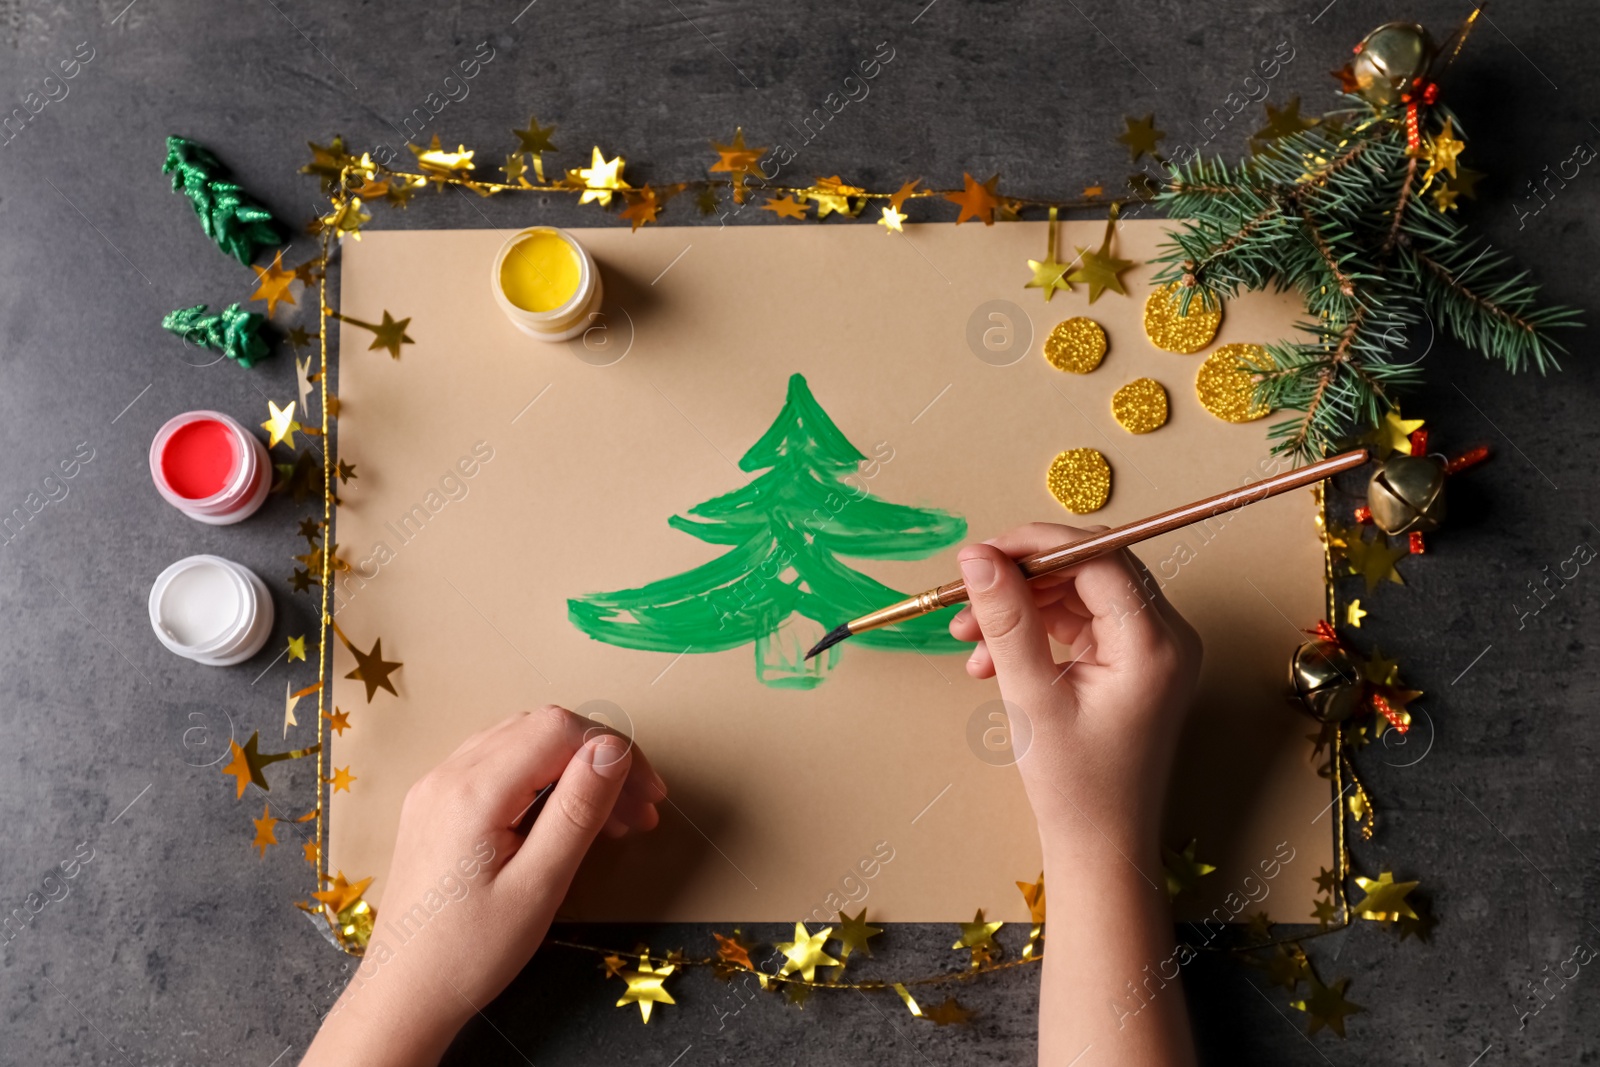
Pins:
<point x="1101" y="733"/>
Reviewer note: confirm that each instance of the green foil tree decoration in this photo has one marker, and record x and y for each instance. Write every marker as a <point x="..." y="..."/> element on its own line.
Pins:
<point x="238" y="225"/>
<point x="234" y="332"/>
<point x="780" y="585"/>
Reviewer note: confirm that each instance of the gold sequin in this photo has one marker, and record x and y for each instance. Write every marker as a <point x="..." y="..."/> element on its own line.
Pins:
<point x="1140" y="406"/>
<point x="1224" y="383"/>
<point x="1076" y="345"/>
<point x="1172" y="331"/>
<point x="1081" y="480"/>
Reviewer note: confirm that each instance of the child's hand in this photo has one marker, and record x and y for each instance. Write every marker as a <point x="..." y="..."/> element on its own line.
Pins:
<point x="469" y="897"/>
<point x="1100" y="728"/>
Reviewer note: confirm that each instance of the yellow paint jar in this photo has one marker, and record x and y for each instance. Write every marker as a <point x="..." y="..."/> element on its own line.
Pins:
<point x="546" y="283"/>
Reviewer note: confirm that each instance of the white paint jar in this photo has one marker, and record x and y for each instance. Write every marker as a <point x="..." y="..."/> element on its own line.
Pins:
<point x="211" y="610"/>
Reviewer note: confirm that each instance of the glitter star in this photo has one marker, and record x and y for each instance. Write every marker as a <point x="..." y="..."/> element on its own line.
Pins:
<point x="1049" y="275"/>
<point x="977" y="937"/>
<point x="852" y="934"/>
<point x="645" y="987"/>
<point x="341" y="779"/>
<point x="892" y="220"/>
<point x="785" y="207"/>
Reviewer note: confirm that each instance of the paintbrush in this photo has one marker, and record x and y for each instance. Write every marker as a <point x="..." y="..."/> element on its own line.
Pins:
<point x="1071" y="555"/>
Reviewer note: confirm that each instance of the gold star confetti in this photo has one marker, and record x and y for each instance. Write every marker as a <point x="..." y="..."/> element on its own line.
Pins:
<point x="371" y="668"/>
<point x="1033" y="896"/>
<point x="1444" y="198"/>
<point x="643" y="206"/>
<point x="832" y="194"/>
<point x="805" y="953"/>
<point x="1101" y="269"/>
<point x="735" y="950"/>
<point x="304" y="381"/>
<point x="300" y="337"/>
<point x="1284" y="122"/>
<point x="1076" y="345"/>
<point x="346" y="218"/>
<point x="274" y="284"/>
<point x="1140" y="137"/>
<point x="1288" y="966"/>
<point x="1183" y="870"/>
<point x="1385" y="899"/>
<point x="785" y="207"/>
<point x="280" y="424"/>
<point x="1379" y="670"/>
<point x="645" y="987"/>
<point x="797" y="994"/>
<point x="1170" y="330"/>
<point x="438" y="164"/>
<point x="297" y="648"/>
<point x="852" y="934"/>
<point x="1442" y="152"/>
<point x="1080" y="479"/>
<point x="898" y="198"/>
<point x="535" y="139"/>
<point x="1422" y="926"/>
<point x="342" y="893"/>
<point x="1392" y="435"/>
<point x="338" y="721"/>
<point x="1464" y="182"/>
<point x="1325" y="1005"/>
<point x="289" y="701"/>
<point x="1323" y="912"/>
<point x="977" y="200"/>
<point x="264" y="833"/>
<point x="300" y="580"/>
<point x="1354" y="613"/>
<point x="977" y="937"/>
<point x="513" y="169"/>
<point x="947" y="1013"/>
<point x="389" y="334"/>
<point x="341" y="779"/>
<point x="1140" y="406"/>
<point x="328" y="163"/>
<point x="1049" y="273"/>
<point x="1375" y="561"/>
<point x="601" y="178"/>
<point x="892" y="220"/>
<point x="1225" y="384"/>
<point x="737" y="160"/>
<point x="311" y="852"/>
<point x="614" y="965"/>
<point x="1326" y="880"/>
<point x="248" y="764"/>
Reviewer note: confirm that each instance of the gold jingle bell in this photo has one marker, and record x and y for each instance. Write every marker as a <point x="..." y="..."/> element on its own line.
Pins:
<point x="1326" y="680"/>
<point x="1390" y="60"/>
<point x="1406" y="494"/>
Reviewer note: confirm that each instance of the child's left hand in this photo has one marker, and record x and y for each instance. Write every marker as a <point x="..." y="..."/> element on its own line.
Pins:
<point x="469" y="898"/>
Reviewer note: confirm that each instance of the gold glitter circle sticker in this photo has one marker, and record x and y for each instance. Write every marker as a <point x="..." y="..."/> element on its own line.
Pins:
<point x="1140" y="406"/>
<point x="1170" y="330"/>
<point x="1081" y="480"/>
<point x="1224" y="384"/>
<point x="1076" y="345"/>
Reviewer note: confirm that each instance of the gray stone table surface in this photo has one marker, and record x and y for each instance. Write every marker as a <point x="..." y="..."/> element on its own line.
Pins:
<point x="175" y="944"/>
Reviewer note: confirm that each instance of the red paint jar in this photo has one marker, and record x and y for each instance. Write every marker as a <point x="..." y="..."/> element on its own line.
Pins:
<point x="209" y="467"/>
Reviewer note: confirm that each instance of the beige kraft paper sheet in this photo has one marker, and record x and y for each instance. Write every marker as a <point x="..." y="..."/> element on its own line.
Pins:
<point x="879" y="786"/>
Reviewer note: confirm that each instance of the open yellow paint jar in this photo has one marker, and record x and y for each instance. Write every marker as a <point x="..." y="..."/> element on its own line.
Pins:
<point x="546" y="283"/>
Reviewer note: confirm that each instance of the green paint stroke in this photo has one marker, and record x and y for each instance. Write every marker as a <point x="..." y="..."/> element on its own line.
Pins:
<point x="786" y="530"/>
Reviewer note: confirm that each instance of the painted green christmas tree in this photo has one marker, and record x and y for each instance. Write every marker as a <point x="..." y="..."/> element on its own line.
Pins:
<point x="781" y="585"/>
